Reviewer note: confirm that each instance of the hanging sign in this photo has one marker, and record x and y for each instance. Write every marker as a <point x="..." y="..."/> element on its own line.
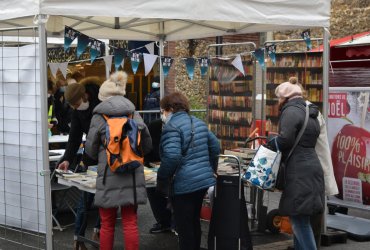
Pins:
<point x="149" y="61"/>
<point x="237" y="62"/>
<point x="69" y="36"/>
<point x="271" y="52"/>
<point x="259" y="54"/>
<point x="108" y="62"/>
<point x="135" y="61"/>
<point x="306" y="37"/>
<point x="203" y="64"/>
<point x="190" y="64"/>
<point x="82" y="43"/>
<point x="96" y="49"/>
<point x="118" y="57"/>
<point x="150" y="48"/>
<point x="166" y="65"/>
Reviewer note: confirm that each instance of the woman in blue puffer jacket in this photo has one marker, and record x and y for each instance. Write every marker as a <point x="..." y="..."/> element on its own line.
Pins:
<point x="188" y="152"/>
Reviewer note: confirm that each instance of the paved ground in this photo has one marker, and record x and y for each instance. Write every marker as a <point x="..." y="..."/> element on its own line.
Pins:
<point x="168" y="241"/>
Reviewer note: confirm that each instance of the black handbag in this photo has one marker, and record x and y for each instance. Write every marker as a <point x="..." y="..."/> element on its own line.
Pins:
<point x="281" y="176"/>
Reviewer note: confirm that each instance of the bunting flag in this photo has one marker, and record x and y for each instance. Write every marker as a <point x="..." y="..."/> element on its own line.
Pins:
<point x="69" y="36"/>
<point x="190" y="63"/>
<point x="96" y="49"/>
<point x="118" y="57"/>
<point x="306" y="37"/>
<point x="149" y="61"/>
<point x="203" y="64"/>
<point x="108" y="62"/>
<point x="271" y="52"/>
<point x="54" y="69"/>
<point x="135" y="61"/>
<point x="166" y="65"/>
<point x="259" y="54"/>
<point x="63" y="68"/>
<point x="150" y="48"/>
<point x="237" y="62"/>
<point x="82" y="43"/>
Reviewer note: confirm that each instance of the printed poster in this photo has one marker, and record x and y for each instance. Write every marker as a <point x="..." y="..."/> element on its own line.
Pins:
<point x="349" y="138"/>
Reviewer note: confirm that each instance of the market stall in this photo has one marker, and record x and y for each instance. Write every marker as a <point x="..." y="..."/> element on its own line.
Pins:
<point x="158" y="20"/>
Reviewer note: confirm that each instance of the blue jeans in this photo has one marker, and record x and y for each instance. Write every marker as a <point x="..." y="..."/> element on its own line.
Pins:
<point x="303" y="234"/>
<point x="81" y="211"/>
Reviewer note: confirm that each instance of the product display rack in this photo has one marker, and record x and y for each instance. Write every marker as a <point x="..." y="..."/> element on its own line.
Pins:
<point x="230" y="105"/>
<point x="306" y="66"/>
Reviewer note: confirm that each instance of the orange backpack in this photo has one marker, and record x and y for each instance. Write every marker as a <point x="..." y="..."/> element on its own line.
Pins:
<point x="122" y="144"/>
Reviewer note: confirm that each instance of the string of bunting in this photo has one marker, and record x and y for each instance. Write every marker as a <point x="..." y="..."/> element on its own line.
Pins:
<point x="97" y="47"/>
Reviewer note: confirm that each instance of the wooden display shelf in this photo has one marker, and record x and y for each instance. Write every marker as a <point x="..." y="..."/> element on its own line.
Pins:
<point x="235" y="109"/>
<point x="294" y="68"/>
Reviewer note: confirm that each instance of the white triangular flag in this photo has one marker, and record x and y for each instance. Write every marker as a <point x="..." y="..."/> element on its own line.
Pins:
<point x="63" y="68"/>
<point x="149" y="61"/>
<point x="108" y="62"/>
<point x="150" y="48"/>
<point x="54" y="69"/>
<point x="237" y="62"/>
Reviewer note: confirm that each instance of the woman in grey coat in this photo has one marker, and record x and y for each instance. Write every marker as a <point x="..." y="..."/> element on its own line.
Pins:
<point x="118" y="189"/>
<point x="303" y="195"/>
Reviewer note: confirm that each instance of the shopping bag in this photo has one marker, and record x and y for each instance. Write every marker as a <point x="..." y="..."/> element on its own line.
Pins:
<point x="263" y="168"/>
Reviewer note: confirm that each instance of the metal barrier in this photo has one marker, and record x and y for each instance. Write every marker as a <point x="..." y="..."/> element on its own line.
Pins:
<point x="151" y="115"/>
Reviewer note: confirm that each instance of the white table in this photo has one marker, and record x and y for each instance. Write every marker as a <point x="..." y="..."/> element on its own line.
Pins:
<point x="70" y="183"/>
<point x="58" y="138"/>
<point x="62" y="138"/>
<point x="60" y="153"/>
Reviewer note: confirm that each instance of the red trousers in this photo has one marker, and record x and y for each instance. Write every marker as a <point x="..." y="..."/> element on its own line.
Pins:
<point x="129" y="227"/>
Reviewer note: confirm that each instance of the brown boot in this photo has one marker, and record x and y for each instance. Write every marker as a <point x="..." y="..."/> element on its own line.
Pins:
<point x="78" y="245"/>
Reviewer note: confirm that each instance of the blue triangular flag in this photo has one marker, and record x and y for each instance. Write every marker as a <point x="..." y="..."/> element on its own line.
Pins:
<point x="271" y="52"/>
<point x="96" y="49"/>
<point x="82" y="43"/>
<point x="69" y="36"/>
<point x="190" y="63"/>
<point x="306" y="37"/>
<point x="135" y="61"/>
<point x="259" y="54"/>
<point x="166" y="65"/>
<point x="119" y="55"/>
<point x="203" y="64"/>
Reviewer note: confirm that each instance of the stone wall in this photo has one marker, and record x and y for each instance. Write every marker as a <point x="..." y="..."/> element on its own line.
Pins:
<point x="347" y="17"/>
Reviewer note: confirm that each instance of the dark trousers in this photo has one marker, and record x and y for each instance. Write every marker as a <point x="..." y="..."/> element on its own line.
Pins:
<point x="187" y="217"/>
<point x="81" y="213"/>
<point x="316" y="222"/>
<point x="158" y="204"/>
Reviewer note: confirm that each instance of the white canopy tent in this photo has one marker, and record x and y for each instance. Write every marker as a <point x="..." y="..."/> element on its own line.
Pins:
<point x="158" y="20"/>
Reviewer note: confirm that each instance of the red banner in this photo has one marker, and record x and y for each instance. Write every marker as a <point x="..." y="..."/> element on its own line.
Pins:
<point x="338" y="105"/>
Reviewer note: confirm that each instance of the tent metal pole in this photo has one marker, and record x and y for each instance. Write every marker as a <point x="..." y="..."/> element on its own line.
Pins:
<point x="42" y="19"/>
<point x="325" y="99"/>
<point x="161" y="53"/>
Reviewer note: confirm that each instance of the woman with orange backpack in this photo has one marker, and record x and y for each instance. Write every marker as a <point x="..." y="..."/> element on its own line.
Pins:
<point x="117" y="189"/>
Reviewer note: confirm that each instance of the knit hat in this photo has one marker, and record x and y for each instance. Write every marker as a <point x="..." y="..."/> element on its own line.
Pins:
<point x="74" y="92"/>
<point x="288" y="90"/>
<point x="115" y="85"/>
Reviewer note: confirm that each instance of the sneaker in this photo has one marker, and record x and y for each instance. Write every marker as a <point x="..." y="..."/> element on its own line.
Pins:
<point x="159" y="228"/>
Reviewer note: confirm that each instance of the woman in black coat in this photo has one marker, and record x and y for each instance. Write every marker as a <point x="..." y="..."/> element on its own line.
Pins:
<point x="303" y="195"/>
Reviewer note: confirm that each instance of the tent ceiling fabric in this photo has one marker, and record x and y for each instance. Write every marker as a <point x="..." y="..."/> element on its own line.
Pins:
<point x="140" y="19"/>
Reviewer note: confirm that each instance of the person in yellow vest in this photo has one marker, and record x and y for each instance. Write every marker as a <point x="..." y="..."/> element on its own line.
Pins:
<point x="52" y="120"/>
